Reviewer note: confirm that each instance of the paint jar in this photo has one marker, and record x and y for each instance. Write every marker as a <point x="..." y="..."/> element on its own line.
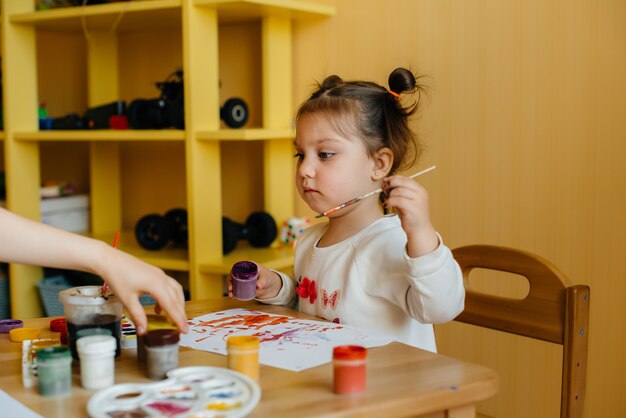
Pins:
<point x="244" y="275"/>
<point x="349" y="369"/>
<point x="86" y="307"/>
<point x="243" y="355"/>
<point x="54" y="367"/>
<point x="97" y="360"/>
<point x="154" y="322"/>
<point x="161" y="352"/>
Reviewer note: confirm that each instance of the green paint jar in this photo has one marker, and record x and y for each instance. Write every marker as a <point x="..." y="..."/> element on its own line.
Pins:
<point x="54" y="367"/>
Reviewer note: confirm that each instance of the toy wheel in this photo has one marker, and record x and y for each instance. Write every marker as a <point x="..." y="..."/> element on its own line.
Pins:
<point x="177" y="223"/>
<point x="152" y="232"/>
<point x="234" y="113"/>
<point x="262" y="229"/>
<point x="230" y="234"/>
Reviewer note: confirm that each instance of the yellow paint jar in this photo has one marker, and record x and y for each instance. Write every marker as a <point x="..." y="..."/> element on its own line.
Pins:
<point x="243" y="355"/>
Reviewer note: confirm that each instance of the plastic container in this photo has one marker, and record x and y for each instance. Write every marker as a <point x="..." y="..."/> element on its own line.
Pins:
<point x="49" y="289"/>
<point x="161" y="352"/>
<point x="154" y="322"/>
<point x="349" y="369"/>
<point x="243" y="355"/>
<point x="85" y="307"/>
<point x="244" y="275"/>
<point x="97" y="360"/>
<point x="54" y="366"/>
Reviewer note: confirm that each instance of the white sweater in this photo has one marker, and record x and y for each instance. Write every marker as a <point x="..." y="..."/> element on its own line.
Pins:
<point x="369" y="281"/>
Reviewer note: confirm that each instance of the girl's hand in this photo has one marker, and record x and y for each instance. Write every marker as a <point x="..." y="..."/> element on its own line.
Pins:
<point x="410" y="201"/>
<point x="267" y="286"/>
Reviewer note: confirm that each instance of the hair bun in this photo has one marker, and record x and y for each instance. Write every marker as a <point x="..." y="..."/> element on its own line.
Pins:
<point x="330" y="82"/>
<point x="402" y="80"/>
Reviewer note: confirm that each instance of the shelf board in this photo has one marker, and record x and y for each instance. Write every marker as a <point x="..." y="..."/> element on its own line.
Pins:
<point x="162" y="14"/>
<point x="169" y="258"/>
<point x="242" y="10"/>
<point x="278" y="258"/>
<point x="135" y="15"/>
<point x="253" y="134"/>
<point x="102" y="135"/>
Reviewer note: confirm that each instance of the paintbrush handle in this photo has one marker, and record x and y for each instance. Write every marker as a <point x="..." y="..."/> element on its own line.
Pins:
<point x="363" y="196"/>
<point x="419" y="173"/>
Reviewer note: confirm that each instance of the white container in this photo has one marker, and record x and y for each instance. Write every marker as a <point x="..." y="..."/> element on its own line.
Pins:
<point x="70" y="213"/>
<point x="97" y="361"/>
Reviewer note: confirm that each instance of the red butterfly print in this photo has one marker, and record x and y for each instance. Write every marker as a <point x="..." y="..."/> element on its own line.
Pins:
<point x="306" y="289"/>
<point x="330" y="299"/>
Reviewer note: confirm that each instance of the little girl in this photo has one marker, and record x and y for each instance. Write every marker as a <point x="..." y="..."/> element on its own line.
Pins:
<point x="386" y="272"/>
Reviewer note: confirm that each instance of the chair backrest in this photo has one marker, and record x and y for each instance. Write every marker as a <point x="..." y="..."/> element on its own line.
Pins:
<point x="552" y="311"/>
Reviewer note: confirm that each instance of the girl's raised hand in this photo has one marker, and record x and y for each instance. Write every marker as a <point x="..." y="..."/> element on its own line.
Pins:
<point x="410" y="201"/>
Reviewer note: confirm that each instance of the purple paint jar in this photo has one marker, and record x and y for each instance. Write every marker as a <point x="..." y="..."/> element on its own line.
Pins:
<point x="244" y="275"/>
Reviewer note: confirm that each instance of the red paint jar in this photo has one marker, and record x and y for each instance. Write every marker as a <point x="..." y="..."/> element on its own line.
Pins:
<point x="349" y="369"/>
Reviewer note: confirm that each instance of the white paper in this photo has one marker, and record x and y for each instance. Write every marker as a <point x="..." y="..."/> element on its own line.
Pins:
<point x="10" y="407"/>
<point x="286" y="342"/>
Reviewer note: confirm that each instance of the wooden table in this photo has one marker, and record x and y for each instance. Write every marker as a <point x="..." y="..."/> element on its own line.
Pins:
<point x="401" y="380"/>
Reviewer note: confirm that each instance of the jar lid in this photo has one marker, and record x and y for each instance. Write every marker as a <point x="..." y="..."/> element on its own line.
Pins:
<point x="243" y="342"/>
<point x="349" y="352"/>
<point x="21" y="334"/>
<point x="159" y="322"/>
<point x="86" y="295"/>
<point x="244" y="270"/>
<point x="160" y="337"/>
<point x="94" y="344"/>
<point x="53" y="353"/>
<point x="85" y="332"/>
<point x="7" y="325"/>
<point x="58" y="325"/>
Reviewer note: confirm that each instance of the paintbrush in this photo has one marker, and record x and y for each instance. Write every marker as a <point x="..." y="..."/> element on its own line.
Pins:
<point x="105" y="286"/>
<point x="363" y="196"/>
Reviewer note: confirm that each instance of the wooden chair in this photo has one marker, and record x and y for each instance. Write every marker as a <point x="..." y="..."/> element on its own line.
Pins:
<point x="553" y="311"/>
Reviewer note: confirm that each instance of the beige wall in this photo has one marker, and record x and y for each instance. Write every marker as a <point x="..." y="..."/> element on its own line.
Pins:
<point x="526" y="122"/>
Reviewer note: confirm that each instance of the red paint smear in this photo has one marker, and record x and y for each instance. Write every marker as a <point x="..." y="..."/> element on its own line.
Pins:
<point x="247" y="321"/>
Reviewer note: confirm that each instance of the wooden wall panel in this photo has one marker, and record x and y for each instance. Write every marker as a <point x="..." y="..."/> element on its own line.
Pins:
<point x="525" y="119"/>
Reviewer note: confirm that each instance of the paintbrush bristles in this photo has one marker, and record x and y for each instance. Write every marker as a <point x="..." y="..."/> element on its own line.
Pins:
<point x="363" y="196"/>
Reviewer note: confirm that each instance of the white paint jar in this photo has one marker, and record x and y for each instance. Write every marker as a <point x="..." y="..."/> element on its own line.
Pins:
<point x="97" y="360"/>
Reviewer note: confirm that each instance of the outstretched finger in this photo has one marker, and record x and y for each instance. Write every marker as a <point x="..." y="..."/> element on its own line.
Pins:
<point x="173" y="302"/>
<point x="138" y="314"/>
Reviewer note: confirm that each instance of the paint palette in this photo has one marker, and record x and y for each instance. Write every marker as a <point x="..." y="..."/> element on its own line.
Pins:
<point x="189" y="392"/>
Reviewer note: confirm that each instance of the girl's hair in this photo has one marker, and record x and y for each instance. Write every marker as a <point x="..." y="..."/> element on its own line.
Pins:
<point x="372" y="112"/>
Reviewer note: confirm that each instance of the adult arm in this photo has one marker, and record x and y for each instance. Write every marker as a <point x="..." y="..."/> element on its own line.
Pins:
<point x="28" y="242"/>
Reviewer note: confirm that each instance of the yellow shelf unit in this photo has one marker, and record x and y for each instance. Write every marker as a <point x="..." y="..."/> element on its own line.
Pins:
<point x="245" y="134"/>
<point x="279" y="258"/>
<point x="101" y="135"/>
<point x="198" y="22"/>
<point x="169" y="259"/>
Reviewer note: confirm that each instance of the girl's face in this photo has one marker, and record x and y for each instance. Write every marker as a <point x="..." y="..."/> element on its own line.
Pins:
<point x="331" y="168"/>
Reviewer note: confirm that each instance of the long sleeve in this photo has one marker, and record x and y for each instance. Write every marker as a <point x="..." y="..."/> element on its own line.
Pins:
<point x="429" y="288"/>
<point x="287" y="294"/>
